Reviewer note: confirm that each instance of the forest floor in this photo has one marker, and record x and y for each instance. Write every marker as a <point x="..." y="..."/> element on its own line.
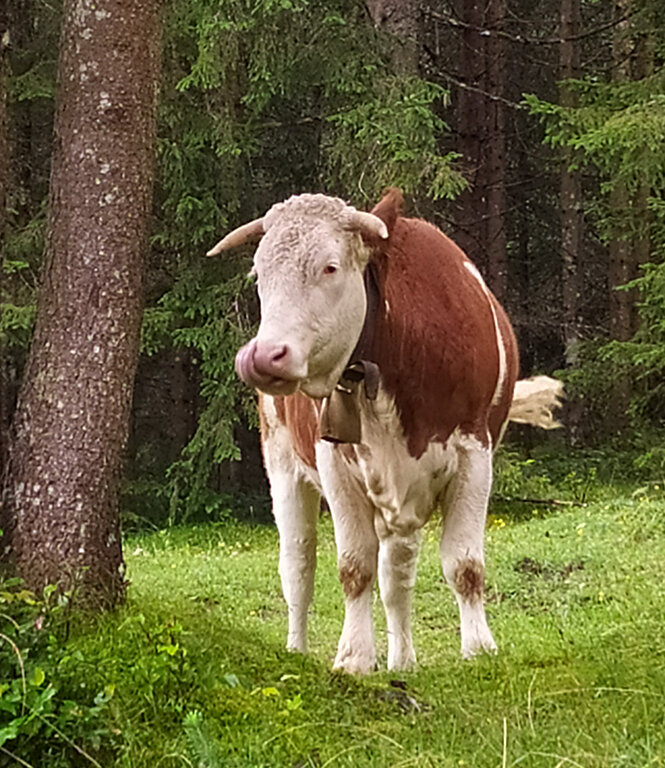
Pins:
<point x="197" y="676"/>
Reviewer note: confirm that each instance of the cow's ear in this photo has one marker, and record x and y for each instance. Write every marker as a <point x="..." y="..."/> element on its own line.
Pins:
<point x="389" y="208"/>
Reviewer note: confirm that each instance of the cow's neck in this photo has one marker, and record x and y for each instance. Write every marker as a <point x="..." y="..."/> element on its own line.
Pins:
<point x="340" y="415"/>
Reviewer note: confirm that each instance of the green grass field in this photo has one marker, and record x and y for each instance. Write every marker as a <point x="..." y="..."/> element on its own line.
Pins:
<point x="192" y="671"/>
<point x="197" y="676"/>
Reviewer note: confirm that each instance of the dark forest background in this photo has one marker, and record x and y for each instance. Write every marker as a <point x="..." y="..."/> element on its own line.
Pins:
<point x="533" y="132"/>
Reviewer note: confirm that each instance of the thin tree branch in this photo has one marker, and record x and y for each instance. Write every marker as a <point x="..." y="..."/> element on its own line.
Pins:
<point x="476" y="89"/>
<point x="19" y="760"/>
<point x="543" y="502"/>
<point x="488" y="32"/>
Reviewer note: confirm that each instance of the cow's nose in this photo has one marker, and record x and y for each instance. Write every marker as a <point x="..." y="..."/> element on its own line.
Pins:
<point x="273" y="359"/>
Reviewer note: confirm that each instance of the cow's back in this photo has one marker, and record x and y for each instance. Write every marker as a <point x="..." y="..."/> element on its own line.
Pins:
<point x="436" y="342"/>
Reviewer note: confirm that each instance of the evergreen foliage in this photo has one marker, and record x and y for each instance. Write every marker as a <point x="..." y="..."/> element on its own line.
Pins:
<point x="617" y="131"/>
<point x="261" y="99"/>
<point x="254" y="108"/>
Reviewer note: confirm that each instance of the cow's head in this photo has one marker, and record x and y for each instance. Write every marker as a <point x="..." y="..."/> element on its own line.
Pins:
<point x="309" y="266"/>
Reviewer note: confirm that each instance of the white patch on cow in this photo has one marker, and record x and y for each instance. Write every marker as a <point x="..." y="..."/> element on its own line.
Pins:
<point x="357" y="548"/>
<point x="356" y="651"/>
<point x="296" y="503"/>
<point x="500" y="343"/>
<point x="398" y="560"/>
<point x="462" y="542"/>
<point x="382" y="499"/>
<point x="403" y="489"/>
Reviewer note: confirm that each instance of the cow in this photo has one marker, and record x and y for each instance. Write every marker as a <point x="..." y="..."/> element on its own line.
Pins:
<point x="386" y="372"/>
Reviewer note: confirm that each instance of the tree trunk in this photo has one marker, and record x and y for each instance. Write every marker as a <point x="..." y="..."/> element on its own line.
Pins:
<point x="570" y="191"/>
<point x="570" y="197"/>
<point x="403" y="20"/>
<point x="495" y="148"/>
<point x="70" y="427"/>
<point x="4" y="176"/>
<point x="470" y="232"/>
<point x="620" y="256"/>
<point x="643" y="67"/>
<point x="620" y="246"/>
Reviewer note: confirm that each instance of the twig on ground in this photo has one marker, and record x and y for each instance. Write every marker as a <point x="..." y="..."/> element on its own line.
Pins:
<point x="543" y="502"/>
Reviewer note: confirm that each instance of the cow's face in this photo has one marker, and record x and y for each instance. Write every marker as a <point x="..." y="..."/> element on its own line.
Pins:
<point x="309" y="267"/>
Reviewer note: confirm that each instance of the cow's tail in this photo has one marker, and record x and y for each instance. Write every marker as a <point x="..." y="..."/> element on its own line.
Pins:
<point x="534" y="401"/>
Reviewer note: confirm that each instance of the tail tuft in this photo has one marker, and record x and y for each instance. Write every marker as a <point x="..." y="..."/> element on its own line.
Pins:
<point x="534" y="400"/>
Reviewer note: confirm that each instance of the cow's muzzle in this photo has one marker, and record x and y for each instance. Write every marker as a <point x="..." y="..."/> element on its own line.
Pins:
<point x="267" y="366"/>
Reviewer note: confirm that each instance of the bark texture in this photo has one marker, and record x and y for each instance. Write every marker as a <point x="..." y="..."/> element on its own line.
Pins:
<point x="4" y="179"/>
<point x="471" y="126"/>
<point x="643" y="66"/>
<point x="620" y="251"/>
<point x="70" y="427"/>
<point x="481" y="125"/>
<point x="570" y="185"/>
<point x="495" y="198"/>
<point x="403" y="19"/>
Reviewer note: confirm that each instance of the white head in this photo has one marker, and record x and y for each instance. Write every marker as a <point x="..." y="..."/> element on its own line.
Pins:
<point x="309" y="267"/>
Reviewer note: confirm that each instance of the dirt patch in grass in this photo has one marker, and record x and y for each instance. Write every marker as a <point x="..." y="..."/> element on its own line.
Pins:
<point x="548" y="571"/>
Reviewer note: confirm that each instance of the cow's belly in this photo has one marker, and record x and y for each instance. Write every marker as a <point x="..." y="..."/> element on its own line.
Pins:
<point x="404" y="490"/>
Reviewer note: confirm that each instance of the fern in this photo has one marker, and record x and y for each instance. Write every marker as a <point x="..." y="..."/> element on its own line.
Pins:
<point x="201" y="741"/>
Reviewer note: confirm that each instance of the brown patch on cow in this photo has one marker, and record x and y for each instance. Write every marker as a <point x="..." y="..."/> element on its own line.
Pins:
<point x="299" y="414"/>
<point x="302" y="420"/>
<point x="354" y="578"/>
<point x="280" y="408"/>
<point x="469" y="580"/>
<point x="347" y="451"/>
<point x="436" y="346"/>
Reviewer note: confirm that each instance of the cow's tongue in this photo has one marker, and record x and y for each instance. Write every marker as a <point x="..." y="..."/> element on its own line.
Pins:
<point x="255" y="376"/>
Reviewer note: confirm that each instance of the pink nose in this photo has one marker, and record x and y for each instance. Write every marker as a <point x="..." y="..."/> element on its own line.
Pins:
<point x="267" y="366"/>
<point x="272" y="359"/>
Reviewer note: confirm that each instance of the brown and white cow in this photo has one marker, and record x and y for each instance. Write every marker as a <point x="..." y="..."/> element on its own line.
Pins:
<point x="439" y="362"/>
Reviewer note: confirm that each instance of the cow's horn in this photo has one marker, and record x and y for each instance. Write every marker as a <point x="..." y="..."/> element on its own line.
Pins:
<point x="368" y="224"/>
<point x="249" y="232"/>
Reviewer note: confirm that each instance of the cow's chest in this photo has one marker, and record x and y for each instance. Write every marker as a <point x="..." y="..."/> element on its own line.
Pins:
<point x="405" y="490"/>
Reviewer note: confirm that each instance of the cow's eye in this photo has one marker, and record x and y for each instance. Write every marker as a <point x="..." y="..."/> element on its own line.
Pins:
<point x="330" y="269"/>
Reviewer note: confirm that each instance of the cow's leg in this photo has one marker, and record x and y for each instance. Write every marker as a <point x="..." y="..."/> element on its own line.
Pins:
<point x="296" y="507"/>
<point x="398" y="560"/>
<point x="462" y="545"/>
<point x="357" y="547"/>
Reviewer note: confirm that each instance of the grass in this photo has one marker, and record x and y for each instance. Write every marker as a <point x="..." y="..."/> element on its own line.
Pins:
<point x="575" y="599"/>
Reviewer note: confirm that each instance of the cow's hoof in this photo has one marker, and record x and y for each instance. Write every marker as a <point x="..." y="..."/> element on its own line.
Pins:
<point x="355" y="663"/>
<point x="479" y="647"/>
<point x="296" y="646"/>
<point x="402" y="662"/>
